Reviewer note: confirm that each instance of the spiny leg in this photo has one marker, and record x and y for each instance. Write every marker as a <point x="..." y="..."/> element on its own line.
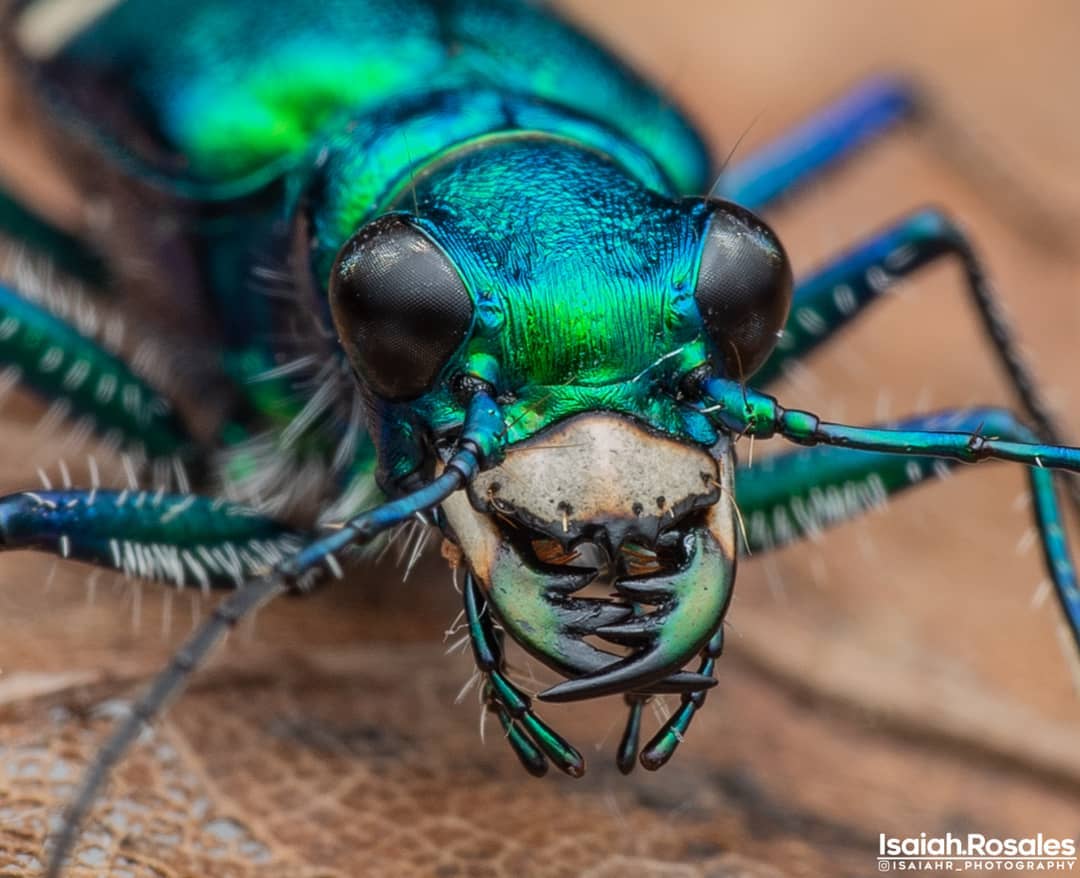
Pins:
<point x="61" y="363"/>
<point x="533" y="741"/>
<point x="170" y="538"/>
<point x="826" y="139"/>
<point x="835" y="296"/>
<point x="828" y="300"/>
<point x="178" y="539"/>
<point x="63" y="347"/>
<point x="479" y="443"/>
<point x="998" y="436"/>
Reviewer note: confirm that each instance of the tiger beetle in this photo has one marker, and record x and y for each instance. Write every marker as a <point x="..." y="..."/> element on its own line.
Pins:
<point x="450" y="261"/>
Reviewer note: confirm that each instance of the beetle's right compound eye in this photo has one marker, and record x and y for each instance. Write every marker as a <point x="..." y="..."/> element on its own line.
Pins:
<point x="744" y="288"/>
<point x="400" y="307"/>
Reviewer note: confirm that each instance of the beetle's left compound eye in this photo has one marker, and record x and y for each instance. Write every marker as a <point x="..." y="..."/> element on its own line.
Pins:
<point x="743" y="289"/>
<point x="400" y="307"/>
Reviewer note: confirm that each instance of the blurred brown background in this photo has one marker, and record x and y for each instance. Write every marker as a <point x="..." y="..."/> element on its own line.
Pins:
<point x="901" y="677"/>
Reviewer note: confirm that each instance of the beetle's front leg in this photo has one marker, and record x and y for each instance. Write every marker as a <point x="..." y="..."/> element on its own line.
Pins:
<point x="293" y="573"/>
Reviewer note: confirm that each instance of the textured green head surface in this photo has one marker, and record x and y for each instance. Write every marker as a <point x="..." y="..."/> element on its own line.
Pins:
<point x="582" y="280"/>
<point x="581" y="275"/>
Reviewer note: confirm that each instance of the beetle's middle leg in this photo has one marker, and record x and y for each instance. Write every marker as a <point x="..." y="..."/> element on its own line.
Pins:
<point x="872" y="109"/>
<point x="59" y="356"/>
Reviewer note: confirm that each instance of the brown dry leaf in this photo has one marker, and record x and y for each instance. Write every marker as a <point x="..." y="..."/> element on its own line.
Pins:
<point x="893" y="679"/>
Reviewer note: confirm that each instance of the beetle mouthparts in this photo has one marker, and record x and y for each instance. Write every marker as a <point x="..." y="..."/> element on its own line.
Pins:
<point x="668" y="579"/>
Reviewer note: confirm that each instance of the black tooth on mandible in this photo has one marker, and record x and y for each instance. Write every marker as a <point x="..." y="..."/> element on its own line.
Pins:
<point x="638" y="672"/>
<point x="640" y="630"/>
<point x="644" y="589"/>
<point x="585" y="616"/>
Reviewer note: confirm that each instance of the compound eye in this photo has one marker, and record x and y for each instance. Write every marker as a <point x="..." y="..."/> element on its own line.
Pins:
<point x="400" y="307"/>
<point x="743" y="289"/>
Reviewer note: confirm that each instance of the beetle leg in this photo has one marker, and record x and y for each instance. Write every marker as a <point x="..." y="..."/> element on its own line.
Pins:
<point x="66" y="364"/>
<point x="840" y="292"/>
<point x="795" y="495"/>
<point x="870" y="110"/>
<point x="178" y="539"/>
<point x="826" y="139"/>
<point x="295" y="573"/>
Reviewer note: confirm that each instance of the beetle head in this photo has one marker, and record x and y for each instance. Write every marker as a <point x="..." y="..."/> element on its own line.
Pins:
<point x="584" y="302"/>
